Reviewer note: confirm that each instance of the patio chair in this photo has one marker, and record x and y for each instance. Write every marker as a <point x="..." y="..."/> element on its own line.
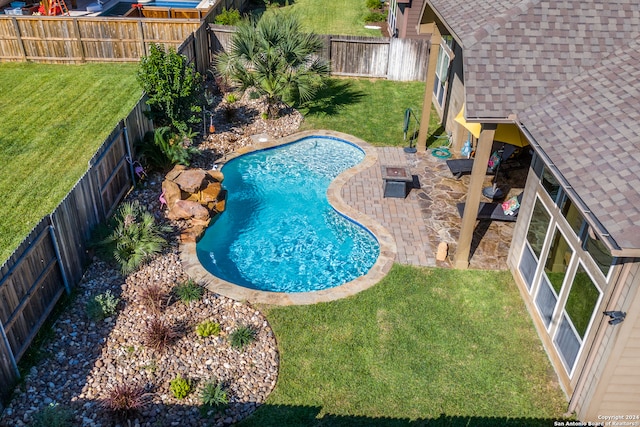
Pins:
<point x="459" y="167"/>
<point x="493" y="211"/>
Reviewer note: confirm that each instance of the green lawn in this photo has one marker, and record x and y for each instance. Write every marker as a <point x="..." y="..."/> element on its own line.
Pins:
<point x="427" y="345"/>
<point x="53" y="118"/>
<point x="340" y="17"/>
<point x="372" y="110"/>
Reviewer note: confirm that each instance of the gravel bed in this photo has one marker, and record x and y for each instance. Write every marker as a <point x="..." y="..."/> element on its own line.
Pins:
<point x="85" y="359"/>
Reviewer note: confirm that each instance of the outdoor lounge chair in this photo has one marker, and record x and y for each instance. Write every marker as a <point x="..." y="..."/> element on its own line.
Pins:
<point x="459" y="167"/>
<point x="492" y="211"/>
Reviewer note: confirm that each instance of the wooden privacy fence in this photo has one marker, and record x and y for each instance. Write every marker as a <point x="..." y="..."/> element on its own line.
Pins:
<point x="66" y="39"/>
<point x="52" y="257"/>
<point x="355" y="56"/>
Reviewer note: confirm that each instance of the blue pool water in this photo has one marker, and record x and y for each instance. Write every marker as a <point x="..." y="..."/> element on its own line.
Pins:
<point x="279" y="232"/>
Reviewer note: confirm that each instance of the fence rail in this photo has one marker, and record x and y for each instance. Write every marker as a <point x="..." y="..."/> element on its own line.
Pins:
<point x="355" y="56"/>
<point x="51" y="259"/>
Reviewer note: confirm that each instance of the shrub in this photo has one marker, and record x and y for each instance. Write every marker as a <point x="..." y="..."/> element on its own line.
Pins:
<point x="175" y="148"/>
<point x="374" y="4"/>
<point x="53" y="415"/>
<point x="159" y="335"/>
<point x="102" y="306"/>
<point x="135" y="236"/>
<point x="153" y="297"/>
<point x="228" y="17"/>
<point x="214" y="395"/>
<point x="124" y="400"/>
<point x="180" y="387"/>
<point x="189" y="291"/>
<point x="242" y="337"/>
<point x="173" y="88"/>
<point x="375" y="17"/>
<point x="207" y="328"/>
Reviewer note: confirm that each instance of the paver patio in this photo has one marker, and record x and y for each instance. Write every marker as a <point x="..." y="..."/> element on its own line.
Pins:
<point x="428" y="215"/>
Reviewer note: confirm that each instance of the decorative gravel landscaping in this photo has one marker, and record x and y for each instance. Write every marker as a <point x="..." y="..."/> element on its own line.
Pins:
<point x="86" y="359"/>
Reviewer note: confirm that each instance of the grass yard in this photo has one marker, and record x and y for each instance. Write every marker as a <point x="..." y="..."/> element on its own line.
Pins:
<point x="343" y="17"/>
<point x="435" y="346"/>
<point x="372" y="110"/>
<point x="53" y="118"/>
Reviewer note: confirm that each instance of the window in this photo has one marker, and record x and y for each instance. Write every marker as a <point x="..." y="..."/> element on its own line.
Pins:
<point x="442" y="69"/>
<point x="538" y="228"/>
<point x="392" y="18"/>
<point x="558" y="260"/>
<point x="577" y="314"/>
<point x="599" y="252"/>
<point x="572" y="215"/>
<point x="551" y="184"/>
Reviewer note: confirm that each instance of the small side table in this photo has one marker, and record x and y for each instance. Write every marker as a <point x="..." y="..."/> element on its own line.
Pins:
<point x="396" y="181"/>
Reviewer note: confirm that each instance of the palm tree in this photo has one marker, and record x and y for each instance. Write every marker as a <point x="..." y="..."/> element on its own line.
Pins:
<point x="275" y="58"/>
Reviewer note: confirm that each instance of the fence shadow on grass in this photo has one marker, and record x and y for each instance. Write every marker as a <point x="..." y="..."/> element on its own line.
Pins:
<point x="286" y="415"/>
<point x="331" y="98"/>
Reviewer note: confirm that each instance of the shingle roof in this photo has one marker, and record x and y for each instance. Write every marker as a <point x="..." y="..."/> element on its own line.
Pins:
<point x="590" y="129"/>
<point x="570" y="70"/>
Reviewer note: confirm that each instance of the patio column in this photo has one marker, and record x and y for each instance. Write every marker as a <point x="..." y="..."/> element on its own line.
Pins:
<point x="434" y="49"/>
<point x="470" y="215"/>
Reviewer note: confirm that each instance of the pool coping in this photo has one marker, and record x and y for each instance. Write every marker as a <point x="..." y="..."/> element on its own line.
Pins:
<point x="379" y="270"/>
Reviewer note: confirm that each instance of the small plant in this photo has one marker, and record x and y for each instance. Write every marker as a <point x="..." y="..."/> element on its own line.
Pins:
<point x="180" y="387"/>
<point x="207" y="328"/>
<point x="53" y="415"/>
<point x="231" y="98"/>
<point x="153" y="297"/>
<point x="135" y="236"/>
<point x="102" y="306"/>
<point x="228" y="17"/>
<point x="159" y="335"/>
<point x="214" y="395"/>
<point x="242" y="336"/>
<point x="124" y="400"/>
<point x="189" y="291"/>
<point x="375" y="17"/>
<point x="254" y="94"/>
<point x="374" y="4"/>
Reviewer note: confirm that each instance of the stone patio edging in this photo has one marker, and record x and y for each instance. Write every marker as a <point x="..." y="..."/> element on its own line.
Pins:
<point x="385" y="239"/>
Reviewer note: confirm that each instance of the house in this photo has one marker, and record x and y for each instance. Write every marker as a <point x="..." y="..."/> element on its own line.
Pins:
<point x="403" y="19"/>
<point x="567" y="74"/>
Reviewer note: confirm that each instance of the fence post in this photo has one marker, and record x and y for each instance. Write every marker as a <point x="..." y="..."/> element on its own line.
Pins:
<point x="19" y="37"/>
<point x="76" y="28"/>
<point x="125" y="131"/>
<point x="56" y="249"/>
<point x="143" y="49"/>
<point x="12" y="358"/>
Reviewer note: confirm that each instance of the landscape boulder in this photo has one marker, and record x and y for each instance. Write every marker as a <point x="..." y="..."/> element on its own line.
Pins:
<point x="194" y="196"/>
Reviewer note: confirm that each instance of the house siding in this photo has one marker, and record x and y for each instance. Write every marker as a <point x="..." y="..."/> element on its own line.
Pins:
<point x="615" y="385"/>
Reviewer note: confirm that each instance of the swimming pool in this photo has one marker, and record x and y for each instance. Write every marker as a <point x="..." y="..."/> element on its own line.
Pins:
<point x="279" y="233"/>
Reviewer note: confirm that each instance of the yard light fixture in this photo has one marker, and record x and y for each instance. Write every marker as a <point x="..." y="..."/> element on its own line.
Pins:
<point x="616" y="316"/>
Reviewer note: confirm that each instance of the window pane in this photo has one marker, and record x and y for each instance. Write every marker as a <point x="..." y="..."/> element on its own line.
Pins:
<point x="582" y="301"/>
<point x="599" y="253"/>
<point x="538" y="228"/>
<point x="567" y="342"/>
<point x="573" y="215"/>
<point x="558" y="260"/>
<point x="546" y="301"/>
<point x="550" y="183"/>
<point x="527" y="266"/>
